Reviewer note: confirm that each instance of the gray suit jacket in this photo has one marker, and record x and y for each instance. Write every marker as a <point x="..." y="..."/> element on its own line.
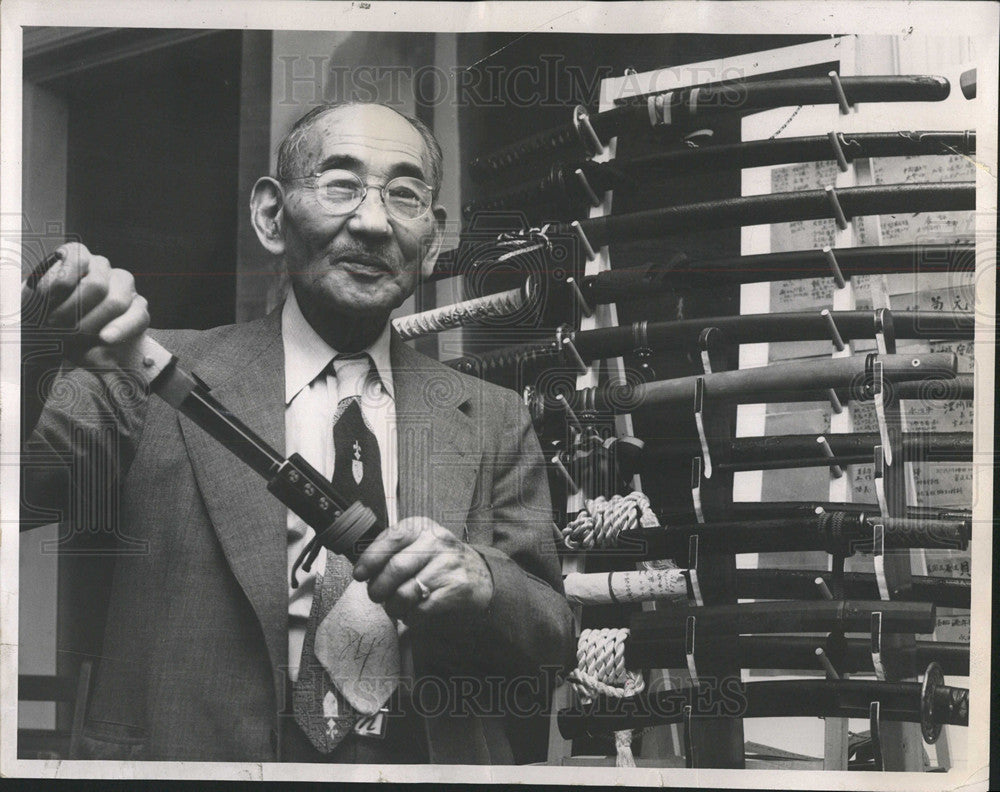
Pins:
<point x="195" y="649"/>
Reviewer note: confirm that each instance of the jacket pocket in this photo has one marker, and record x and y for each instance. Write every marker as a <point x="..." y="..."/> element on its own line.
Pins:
<point x="107" y="740"/>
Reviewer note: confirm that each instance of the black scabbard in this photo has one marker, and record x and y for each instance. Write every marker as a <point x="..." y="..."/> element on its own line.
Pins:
<point x="944" y="592"/>
<point x="946" y="388"/>
<point x="774" y="452"/>
<point x="900" y="701"/>
<point x="792" y="653"/>
<point x="775" y="208"/>
<point x="562" y="188"/>
<point x="685" y="334"/>
<point x="672" y="113"/>
<point x="842" y="533"/>
<point x="790" y="617"/>
<point x="674" y="271"/>
<point x="757" y="384"/>
<point x="784" y="451"/>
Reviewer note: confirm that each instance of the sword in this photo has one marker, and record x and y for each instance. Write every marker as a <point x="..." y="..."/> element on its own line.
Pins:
<point x="944" y="592"/>
<point x="773" y="452"/>
<point x="802" y="377"/>
<point x="342" y="526"/>
<point x="677" y="111"/>
<point x="670" y="585"/>
<point x="824" y="616"/>
<point x="664" y="276"/>
<point x="615" y="285"/>
<point x="837" y="533"/>
<point x="793" y="653"/>
<point x="774" y="208"/>
<point x="756" y="509"/>
<point x="611" y="342"/>
<point x="571" y="186"/>
<point x="931" y="703"/>
<point x="946" y="389"/>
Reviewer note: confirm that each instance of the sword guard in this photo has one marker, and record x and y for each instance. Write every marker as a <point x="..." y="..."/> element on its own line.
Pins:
<point x="885" y="337"/>
<point x="689" y="750"/>
<point x="696" y="464"/>
<point x="868" y="386"/>
<point x="699" y="419"/>
<point x="875" y="730"/>
<point x="689" y="629"/>
<point x="709" y="341"/>
<point x="692" y="563"/>
<point x="876" y="646"/>
<point x="933" y="678"/>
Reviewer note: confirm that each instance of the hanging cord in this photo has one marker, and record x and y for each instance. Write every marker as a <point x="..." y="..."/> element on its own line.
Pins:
<point x="602" y="520"/>
<point x="600" y="657"/>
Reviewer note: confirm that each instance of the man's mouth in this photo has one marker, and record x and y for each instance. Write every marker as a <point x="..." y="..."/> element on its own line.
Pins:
<point x="363" y="262"/>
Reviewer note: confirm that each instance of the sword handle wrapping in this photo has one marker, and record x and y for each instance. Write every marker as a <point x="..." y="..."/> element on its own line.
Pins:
<point x="344" y="528"/>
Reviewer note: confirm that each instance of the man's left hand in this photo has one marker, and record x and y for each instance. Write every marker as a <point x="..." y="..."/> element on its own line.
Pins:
<point x="420" y="571"/>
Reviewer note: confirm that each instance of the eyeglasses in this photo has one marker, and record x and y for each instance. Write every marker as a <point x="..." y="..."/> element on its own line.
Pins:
<point x="342" y="191"/>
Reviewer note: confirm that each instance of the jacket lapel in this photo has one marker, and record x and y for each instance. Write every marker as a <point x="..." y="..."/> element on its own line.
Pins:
<point x="438" y="444"/>
<point x="246" y="374"/>
<point x="440" y="450"/>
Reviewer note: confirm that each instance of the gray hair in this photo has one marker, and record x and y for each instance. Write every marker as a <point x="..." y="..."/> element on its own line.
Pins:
<point x="290" y="149"/>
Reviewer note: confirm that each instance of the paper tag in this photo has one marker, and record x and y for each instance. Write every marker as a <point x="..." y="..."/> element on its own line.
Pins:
<point x="372" y="725"/>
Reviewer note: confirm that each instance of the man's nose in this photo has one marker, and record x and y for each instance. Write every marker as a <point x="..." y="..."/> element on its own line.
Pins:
<point x="371" y="216"/>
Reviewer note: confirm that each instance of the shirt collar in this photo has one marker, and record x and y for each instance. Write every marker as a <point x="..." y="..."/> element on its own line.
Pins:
<point x="307" y="355"/>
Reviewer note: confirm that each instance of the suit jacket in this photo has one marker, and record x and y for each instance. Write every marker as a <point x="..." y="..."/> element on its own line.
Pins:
<point x="195" y="649"/>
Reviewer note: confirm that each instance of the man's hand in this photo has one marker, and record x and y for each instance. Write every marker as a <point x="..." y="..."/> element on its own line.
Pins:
<point x="417" y="552"/>
<point x="94" y="302"/>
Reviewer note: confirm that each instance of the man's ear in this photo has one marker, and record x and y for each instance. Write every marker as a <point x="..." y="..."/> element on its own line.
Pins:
<point x="267" y="202"/>
<point x="435" y="243"/>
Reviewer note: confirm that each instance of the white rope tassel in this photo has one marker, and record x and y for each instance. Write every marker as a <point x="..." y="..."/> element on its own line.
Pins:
<point x="492" y="306"/>
<point x="602" y="520"/>
<point x="600" y="658"/>
<point x="623" y="749"/>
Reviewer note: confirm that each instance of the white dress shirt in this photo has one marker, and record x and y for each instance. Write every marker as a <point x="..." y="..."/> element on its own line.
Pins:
<point x="311" y="397"/>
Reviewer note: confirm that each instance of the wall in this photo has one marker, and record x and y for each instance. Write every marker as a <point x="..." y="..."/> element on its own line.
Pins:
<point x="44" y="209"/>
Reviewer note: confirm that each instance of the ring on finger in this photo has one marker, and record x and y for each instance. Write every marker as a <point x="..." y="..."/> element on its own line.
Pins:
<point x="424" y="591"/>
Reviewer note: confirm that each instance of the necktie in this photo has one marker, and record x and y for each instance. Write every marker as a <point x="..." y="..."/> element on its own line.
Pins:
<point x="350" y="652"/>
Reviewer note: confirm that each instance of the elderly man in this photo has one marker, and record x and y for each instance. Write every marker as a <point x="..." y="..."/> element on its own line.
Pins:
<point x="214" y="649"/>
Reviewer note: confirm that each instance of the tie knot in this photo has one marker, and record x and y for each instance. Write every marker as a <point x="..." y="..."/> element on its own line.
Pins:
<point x="356" y="376"/>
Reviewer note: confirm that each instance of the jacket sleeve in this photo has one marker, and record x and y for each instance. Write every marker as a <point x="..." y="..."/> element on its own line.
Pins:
<point x="81" y="445"/>
<point x="528" y="625"/>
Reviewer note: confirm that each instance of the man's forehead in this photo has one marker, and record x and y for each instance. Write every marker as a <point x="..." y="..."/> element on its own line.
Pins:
<point x="368" y="131"/>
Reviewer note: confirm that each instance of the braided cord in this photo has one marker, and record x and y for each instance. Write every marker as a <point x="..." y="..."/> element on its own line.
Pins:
<point x="602" y="520"/>
<point x="600" y="658"/>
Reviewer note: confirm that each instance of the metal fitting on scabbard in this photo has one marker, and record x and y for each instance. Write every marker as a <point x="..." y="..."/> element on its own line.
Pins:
<point x="349" y="528"/>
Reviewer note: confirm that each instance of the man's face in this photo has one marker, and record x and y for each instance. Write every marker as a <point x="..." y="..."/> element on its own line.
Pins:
<point x="365" y="263"/>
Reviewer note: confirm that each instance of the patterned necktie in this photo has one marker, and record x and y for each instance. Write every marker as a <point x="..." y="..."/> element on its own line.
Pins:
<point x="350" y="653"/>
